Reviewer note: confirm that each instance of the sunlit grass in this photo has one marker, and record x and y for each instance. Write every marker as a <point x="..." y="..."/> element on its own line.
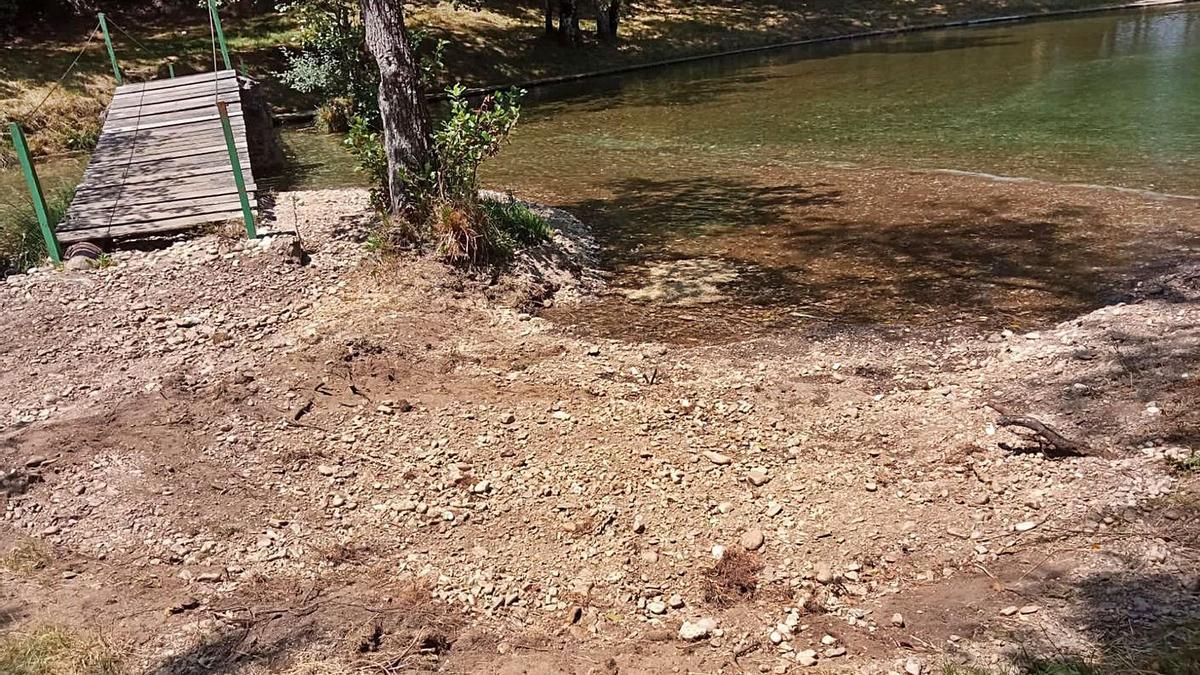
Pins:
<point x="53" y="650"/>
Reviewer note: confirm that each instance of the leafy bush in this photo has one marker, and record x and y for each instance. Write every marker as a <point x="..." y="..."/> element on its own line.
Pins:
<point x="331" y="62"/>
<point x="366" y="144"/>
<point x="335" y="115"/>
<point x="21" y="243"/>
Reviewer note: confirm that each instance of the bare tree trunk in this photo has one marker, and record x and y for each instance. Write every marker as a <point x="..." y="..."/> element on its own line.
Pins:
<point x="601" y="21"/>
<point x="549" y="18"/>
<point x="614" y="18"/>
<point x="406" y="125"/>
<point x="568" y="22"/>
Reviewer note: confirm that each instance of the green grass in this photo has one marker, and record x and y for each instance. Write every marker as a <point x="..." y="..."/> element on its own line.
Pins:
<point x="515" y="224"/>
<point x="55" y="651"/>
<point x="21" y="242"/>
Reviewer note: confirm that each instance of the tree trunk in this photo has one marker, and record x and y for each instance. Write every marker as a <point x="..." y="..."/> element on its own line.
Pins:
<point x="602" y="21"/>
<point x="407" y="130"/>
<point x="614" y="18"/>
<point x="568" y="22"/>
<point x="549" y="18"/>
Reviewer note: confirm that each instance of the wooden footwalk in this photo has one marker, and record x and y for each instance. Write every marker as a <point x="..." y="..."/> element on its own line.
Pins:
<point x="162" y="163"/>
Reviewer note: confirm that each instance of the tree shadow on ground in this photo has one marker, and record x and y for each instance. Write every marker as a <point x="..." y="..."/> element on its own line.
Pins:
<point x="861" y="258"/>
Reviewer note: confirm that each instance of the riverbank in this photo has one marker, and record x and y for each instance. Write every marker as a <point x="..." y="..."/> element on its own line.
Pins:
<point x="499" y="44"/>
<point x="328" y="464"/>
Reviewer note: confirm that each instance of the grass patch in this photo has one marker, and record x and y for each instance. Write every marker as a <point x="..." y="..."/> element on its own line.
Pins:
<point x="515" y="224"/>
<point x="21" y="242"/>
<point x="27" y="557"/>
<point x="55" y="651"/>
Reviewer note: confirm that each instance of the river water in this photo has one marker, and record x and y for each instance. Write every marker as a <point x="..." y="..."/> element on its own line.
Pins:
<point x="835" y="184"/>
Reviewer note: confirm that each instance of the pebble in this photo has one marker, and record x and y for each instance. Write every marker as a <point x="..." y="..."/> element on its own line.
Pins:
<point x="808" y="657"/>
<point x="898" y="620"/>
<point x="717" y="458"/>
<point x="912" y="666"/>
<point x="824" y="572"/>
<point x="1030" y="609"/>
<point x="657" y="607"/>
<point x="697" y="630"/>
<point x="752" y="540"/>
<point x="1009" y="611"/>
<point x="1024" y="526"/>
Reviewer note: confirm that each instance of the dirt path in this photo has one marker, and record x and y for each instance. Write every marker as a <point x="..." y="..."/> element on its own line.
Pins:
<point x="225" y="460"/>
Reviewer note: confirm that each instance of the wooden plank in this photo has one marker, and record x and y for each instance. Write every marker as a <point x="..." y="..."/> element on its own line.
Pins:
<point x="147" y="229"/>
<point x="162" y="184"/>
<point x="151" y="213"/>
<point x="141" y="157"/>
<point x="158" y="139"/>
<point x="171" y="83"/>
<point x="203" y="198"/>
<point x="236" y="120"/>
<point x="138" y="100"/>
<point x="146" y="121"/>
<point x="139" y="191"/>
<point x="177" y="85"/>
<point x="194" y="103"/>
<point x="203" y="86"/>
<point x="117" y="173"/>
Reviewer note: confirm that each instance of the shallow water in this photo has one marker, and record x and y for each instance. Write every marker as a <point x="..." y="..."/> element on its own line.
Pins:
<point x="777" y="189"/>
<point x="797" y="188"/>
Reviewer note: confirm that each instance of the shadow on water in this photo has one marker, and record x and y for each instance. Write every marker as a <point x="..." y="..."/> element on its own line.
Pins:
<point x="857" y="248"/>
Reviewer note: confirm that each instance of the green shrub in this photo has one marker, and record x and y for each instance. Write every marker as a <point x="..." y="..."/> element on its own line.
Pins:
<point x="21" y="243"/>
<point x="514" y="225"/>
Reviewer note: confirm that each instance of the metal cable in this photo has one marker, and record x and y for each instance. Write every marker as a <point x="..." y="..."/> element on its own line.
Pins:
<point x="91" y="36"/>
<point x="131" y="38"/>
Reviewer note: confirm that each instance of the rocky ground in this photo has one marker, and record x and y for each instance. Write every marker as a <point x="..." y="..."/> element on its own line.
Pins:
<point x="288" y="456"/>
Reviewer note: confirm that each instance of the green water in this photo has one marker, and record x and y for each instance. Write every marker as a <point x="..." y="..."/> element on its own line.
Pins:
<point x="1109" y="98"/>
<point x="792" y="189"/>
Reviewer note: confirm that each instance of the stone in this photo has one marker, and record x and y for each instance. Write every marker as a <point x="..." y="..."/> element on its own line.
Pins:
<point x="774" y="509"/>
<point x="898" y="620"/>
<point x="828" y="640"/>
<point x="834" y="652"/>
<point x="758" y="477"/>
<point x="752" y="540"/>
<point x="717" y="458"/>
<point x="650" y="556"/>
<point x="675" y="601"/>
<point x="657" y="607"/>
<point x="697" y="630"/>
<point x="718" y="551"/>
<point x="824" y="572"/>
<point x="1030" y="609"/>
<point x="326" y="470"/>
<point x="1009" y="611"/>
<point x="912" y="666"/>
<point x="1024" y="526"/>
<point x="808" y="657"/>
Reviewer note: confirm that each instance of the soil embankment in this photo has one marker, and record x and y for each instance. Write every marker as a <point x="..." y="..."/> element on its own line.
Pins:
<point x="223" y="459"/>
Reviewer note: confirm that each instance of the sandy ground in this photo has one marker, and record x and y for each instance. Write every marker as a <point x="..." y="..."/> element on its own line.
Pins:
<point x="231" y="458"/>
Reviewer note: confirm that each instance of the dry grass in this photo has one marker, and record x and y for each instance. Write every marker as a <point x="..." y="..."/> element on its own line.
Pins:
<point x="51" y="650"/>
<point x="28" y="557"/>
<point x="734" y="578"/>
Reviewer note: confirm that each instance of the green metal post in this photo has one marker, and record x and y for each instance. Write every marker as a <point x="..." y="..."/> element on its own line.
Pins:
<point x="247" y="212"/>
<point x="216" y="19"/>
<point x="35" y="191"/>
<point x="112" y="55"/>
<point x="171" y="69"/>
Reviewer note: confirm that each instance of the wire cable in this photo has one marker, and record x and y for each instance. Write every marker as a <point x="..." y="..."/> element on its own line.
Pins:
<point x="91" y="37"/>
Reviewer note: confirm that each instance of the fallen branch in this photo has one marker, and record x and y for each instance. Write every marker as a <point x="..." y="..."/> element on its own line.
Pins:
<point x="1046" y="435"/>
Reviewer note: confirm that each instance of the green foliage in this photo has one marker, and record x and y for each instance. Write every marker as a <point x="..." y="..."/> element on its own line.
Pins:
<point x="469" y="136"/>
<point x="335" y="115"/>
<point x="367" y="146"/>
<point x="1189" y="463"/>
<point x="331" y="62"/>
<point x="514" y="225"/>
<point x="21" y="243"/>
